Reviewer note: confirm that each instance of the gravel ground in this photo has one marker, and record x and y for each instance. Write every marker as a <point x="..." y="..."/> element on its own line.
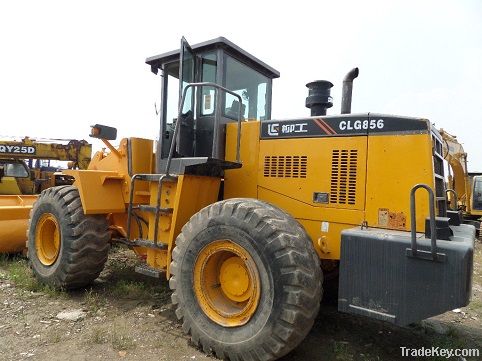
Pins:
<point x="128" y="316"/>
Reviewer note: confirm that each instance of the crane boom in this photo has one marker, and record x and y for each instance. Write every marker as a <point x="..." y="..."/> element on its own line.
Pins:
<point x="77" y="151"/>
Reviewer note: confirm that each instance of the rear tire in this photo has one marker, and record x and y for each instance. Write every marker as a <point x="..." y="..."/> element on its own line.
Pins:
<point x="286" y="268"/>
<point x="66" y="248"/>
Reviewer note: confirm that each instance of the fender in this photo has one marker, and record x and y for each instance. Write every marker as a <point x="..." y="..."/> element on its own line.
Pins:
<point x="100" y="191"/>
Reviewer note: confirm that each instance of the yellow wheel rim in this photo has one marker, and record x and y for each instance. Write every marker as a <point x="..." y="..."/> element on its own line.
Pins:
<point x="47" y="239"/>
<point x="226" y="283"/>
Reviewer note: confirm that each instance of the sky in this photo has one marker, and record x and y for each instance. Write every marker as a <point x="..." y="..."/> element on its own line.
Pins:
<point x="67" y="65"/>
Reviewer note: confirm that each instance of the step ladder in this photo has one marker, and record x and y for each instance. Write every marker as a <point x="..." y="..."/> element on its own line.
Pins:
<point x="157" y="210"/>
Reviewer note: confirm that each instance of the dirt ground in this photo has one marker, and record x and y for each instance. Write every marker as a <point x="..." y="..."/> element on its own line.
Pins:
<point x="127" y="316"/>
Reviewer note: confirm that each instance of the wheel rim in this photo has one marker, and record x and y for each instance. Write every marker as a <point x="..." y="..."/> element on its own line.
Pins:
<point x="226" y="283"/>
<point x="47" y="239"/>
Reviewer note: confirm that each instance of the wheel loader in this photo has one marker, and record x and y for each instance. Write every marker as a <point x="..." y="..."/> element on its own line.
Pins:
<point x="245" y="215"/>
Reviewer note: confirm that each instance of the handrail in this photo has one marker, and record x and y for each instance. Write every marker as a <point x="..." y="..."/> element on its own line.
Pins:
<point x="129" y="208"/>
<point x="158" y="205"/>
<point x="171" y="152"/>
<point x="413" y="221"/>
<point x="217" y="87"/>
<point x="456" y="198"/>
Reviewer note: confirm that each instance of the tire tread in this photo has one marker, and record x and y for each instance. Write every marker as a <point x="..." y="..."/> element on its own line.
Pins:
<point x="85" y="240"/>
<point x="287" y="240"/>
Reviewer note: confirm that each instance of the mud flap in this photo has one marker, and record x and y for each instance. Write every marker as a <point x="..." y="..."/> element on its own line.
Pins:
<point x="380" y="278"/>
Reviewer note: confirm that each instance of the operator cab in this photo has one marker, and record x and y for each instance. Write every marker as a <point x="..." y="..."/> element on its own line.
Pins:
<point x="14" y="168"/>
<point x="206" y="110"/>
<point x="477" y="193"/>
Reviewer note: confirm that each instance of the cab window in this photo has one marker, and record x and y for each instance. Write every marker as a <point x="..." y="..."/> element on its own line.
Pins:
<point x="17" y="170"/>
<point x="209" y="65"/>
<point x="251" y="86"/>
<point x="477" y="194"/>
<point x="172" y="73"/>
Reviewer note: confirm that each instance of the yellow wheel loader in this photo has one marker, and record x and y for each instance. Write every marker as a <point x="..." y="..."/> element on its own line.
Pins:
<point x="21" y="179"/>
<point x="245" y="214"/>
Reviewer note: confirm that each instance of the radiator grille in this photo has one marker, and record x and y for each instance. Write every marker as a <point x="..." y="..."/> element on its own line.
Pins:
<point x="343" y="176"/>
<point x="285" y="166"/>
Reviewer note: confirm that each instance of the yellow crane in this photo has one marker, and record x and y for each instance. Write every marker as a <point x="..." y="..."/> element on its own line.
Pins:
<point x="245" y="214"/>
<point x="21" y="179"/>
<point x="28" y="177"/>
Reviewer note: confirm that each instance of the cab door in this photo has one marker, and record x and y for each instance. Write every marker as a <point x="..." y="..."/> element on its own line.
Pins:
<point x="187" y="74"/>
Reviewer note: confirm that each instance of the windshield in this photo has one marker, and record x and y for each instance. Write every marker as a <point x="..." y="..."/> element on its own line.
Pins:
<point x="477" y="193"/>
<point x="14" y="169"/>
<point x="251" y="86"/>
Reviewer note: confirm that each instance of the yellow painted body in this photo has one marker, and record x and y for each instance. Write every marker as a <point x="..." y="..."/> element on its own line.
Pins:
<point x="104" y="189"/>
<point x="14" y="213"/>
<point x="186" y="197"/>
<point x="10" y="186"/>
<point x="459" y="180"/>
<point x="104" y="186"/>
<point x="372" y="188"/>
<point x="368" y="180"/>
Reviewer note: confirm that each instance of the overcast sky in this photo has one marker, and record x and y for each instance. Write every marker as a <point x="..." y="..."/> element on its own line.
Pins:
<point x="66" y="65"/>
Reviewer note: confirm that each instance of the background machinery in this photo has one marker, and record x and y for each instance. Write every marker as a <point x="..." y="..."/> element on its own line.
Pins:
<point x="22" y="163"/>
<point x="244" y="214"/>
<point x="23" y="175"/>
<point x="467" y="187"/>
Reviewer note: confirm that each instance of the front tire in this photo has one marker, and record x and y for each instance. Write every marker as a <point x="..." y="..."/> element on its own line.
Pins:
<point x="66" y="248"/>
<point x="246" y="280"/>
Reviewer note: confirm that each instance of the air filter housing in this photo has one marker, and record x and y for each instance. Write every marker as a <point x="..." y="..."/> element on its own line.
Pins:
<point x="319" y="98"/>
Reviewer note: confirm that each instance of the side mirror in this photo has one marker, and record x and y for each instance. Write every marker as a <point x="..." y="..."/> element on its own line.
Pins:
<point x="103" y="132"/>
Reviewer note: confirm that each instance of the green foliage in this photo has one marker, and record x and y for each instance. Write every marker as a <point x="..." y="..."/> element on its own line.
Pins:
<point x="342" y="351"/>
<point x="18" y="271"/>
<point x="93" y="300"/>
<point x="121" y="338"/>
<point x="130" y="289"/>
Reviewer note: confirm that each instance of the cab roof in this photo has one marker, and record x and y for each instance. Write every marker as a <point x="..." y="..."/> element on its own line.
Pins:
<point x="158" y="60"/>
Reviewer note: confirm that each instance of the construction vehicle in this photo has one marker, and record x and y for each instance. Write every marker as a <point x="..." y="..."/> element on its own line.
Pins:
<point x="464" y="188"/>
<point x="244" y="214"/>
<point x="475" y="179"/>
<point x="21" y="179"/>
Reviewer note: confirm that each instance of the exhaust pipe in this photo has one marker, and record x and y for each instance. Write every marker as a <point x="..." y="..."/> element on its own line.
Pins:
<point x="347" y="91"/>
<point x="319" y="98"/>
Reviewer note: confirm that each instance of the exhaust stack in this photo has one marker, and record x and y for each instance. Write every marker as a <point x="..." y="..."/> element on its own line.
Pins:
<point x="347" y="91"/>
<point x="319" y="98"/>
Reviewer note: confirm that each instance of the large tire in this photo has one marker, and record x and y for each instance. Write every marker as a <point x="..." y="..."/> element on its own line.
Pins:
<point x="288" y="270"/>
<point x="66" y="248"/>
